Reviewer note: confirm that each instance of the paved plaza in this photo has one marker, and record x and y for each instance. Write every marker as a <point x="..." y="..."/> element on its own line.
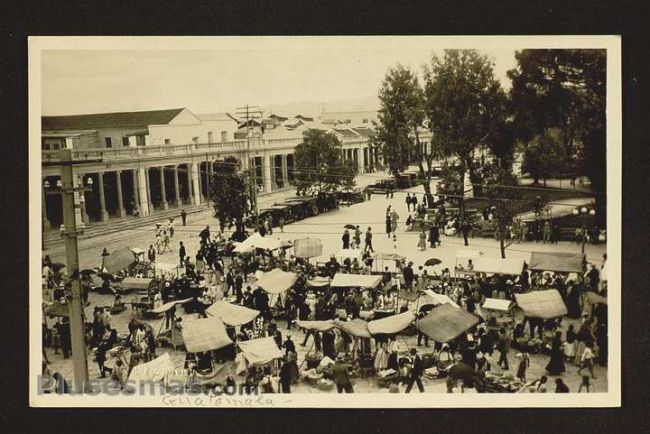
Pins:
<point x="328" y="227"/>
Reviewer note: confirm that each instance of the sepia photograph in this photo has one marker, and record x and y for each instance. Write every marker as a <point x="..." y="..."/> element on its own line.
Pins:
<point x="358" y="221"/>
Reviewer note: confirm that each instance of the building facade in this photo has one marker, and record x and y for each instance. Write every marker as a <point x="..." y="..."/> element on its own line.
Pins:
<point x="153" y="161"/>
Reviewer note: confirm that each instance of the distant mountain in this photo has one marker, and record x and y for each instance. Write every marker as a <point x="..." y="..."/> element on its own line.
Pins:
<point x="314" y="108"/>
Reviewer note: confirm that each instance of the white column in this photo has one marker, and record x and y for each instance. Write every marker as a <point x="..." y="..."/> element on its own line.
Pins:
<point x="120" y="196"/>
<point x="285" y="171"/>
<point x="102" y="198"/>
<point x="46" y="222"/>
<point x="142" y="191"/>
<point x="177" y="192"/>
<point x="196" y="185"/>
<point x="149" y="198"/>
<point x="163" y="191"/>
<point x="362" y="159"/>
<point x="268" y="187"/>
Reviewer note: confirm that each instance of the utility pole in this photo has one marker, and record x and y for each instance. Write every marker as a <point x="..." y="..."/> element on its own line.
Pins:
<point x="72" y="214"/>
<point x="251" y="113"/>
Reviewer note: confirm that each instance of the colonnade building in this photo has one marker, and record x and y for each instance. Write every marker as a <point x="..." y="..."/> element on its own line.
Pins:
<point x="160" y="159"/>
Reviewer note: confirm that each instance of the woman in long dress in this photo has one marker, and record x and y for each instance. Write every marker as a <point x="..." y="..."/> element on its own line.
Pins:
<point x="570" y="344"/>
<point x="556" y="364"/>
<point x="422" y="244"/>
<point x="381" y="357"/>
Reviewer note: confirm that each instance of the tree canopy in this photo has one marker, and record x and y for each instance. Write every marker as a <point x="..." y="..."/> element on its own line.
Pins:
<point x="230" y="193"/>
<point x="544" y="156"/>
<point x="319" y="161"/>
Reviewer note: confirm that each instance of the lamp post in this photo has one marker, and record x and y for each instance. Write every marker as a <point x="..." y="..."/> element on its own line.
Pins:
<point x="584" y="212"/>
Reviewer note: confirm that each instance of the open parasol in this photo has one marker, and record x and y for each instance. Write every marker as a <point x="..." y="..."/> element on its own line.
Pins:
<point x="350" y="227"/>
<point x="432" y="261"/>
<point x="87" y="271"/>
<point x="57" y="266"/>
<point x="106" y="276"/>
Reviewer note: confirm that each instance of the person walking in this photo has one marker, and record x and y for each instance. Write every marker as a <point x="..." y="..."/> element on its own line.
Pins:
<point x="524" y="363"/>
<point x="340" y="375"/>
<point x="285" y="378"/>
<point x="422" y="243"/>
<point x="346" y="239"/>
<point x="503" y="346"/>
<point x="357" y="238"/>
<point x="556" y="365"/>
<point x="368" y="241"/>
<point x="587" y="359"/>
<point x="389" y="223"/>
<point x="181" y="253"/>
<point x="465" y="228"/>
<point x="281" y="224"/>
<point x="416" y="372"/>
<point x="432" y="238"/>
<point x="408" y="202"/>
<point x="151" y="253"/>
<point x="184" y="216"/>
<point x="170" y="227"/>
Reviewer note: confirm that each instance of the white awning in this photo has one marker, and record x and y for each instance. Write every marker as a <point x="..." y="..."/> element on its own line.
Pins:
<point x="341" y="280"/>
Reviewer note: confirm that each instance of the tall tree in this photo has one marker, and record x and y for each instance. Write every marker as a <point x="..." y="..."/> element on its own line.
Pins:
<point x="319" y="162"/>
<point x="544" y="156"/>
<point x="401" y="116"/>
<point x="565" y="89"/>
<point x="230" y="193"/>
<point x="464" y="104"/>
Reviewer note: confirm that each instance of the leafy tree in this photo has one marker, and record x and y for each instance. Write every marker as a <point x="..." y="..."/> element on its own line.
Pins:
<point x="464" y="103"/>
<point x="401" y="115"/>
<point x="544" y="157"/>
<point x="565" y="89"/>
<point x="319" y="162"/>
<point x="230" y="193"/>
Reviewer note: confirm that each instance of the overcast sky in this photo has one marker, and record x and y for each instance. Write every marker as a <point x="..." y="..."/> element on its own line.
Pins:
<point x="208" y="81"/>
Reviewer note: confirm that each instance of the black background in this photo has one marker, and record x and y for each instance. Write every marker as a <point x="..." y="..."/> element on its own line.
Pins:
<point x="20" y="19"/>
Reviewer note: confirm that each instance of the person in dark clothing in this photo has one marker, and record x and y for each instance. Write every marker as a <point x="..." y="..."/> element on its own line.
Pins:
<point x="556" y="365"/>
<point x="432" y="238"/>
<point x="230" y="283"/>
<point x="151" y="254"/>
<point x="205" y="235"/>
<point x="289" y="345"/>
<point x="184" y="216"/>
<point x="239" y="283"/>
<point x="346" y="239"/>
<point x="181" y="253"/>
<point x="560" y="386"/>
<point x="285" y="378"/>
<point x="421" y="335"/>
<point x="368" y="241"/>
<point x="328" y="344"/>
<point x="464" y="229"/>
<point x="66" y="341"/>
<point x="340" y="376"/>
<point x="503" y="346"/>
<point x="416" y="372"/>
<point x="408" y="274"/>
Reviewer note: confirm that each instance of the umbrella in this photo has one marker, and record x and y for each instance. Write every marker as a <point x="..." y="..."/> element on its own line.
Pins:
<point x="350" y="227"/>
<point x="106" y="276"/>
<point x="57" y="266"/>
<point x="432" y="262"/>
<point x="88" y="271"/>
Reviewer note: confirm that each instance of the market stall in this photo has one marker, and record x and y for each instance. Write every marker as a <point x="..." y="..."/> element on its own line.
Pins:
<point x="560" y="262"/>
<point x="257" y="241"/>
<point x="495" y="265"/>
<point x="204" y="334"/>
<point x="351" y="254"/>
<point x="277" y="281"/>
<point x="306" y="248"/>
<point x="542" y="304"/>
<point x="118" y="260"/>
<point x="390" y="260"/>
<point x="430" y="297"/>
<point x="365" y="281"/>
<point x="446" y="322"/>
<point x="258" y="352"/>
<point x="392" y="324"/>
<point x="155" y="370"/>
<point x="232" y="314"/>
<point x="140" y="284"/>
<point x="462" y="261"/>
<point x="320" y="326"/>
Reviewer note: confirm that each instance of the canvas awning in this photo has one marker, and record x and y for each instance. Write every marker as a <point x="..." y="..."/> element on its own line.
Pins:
<point x="307" y="247"/>
<point x="497" y="304"/>
<point x="155" y="370"/>
<point x="341" y="280"/>
<point x="356" y="327"/>
<point x="232" y="314"/>
<point x="468" y="254"/>
<point x="321" y="326"/>
<point x="561" y="262"/>
<point x="137" y="251"/>
<point x="486" y="264"/>
<point x="389" y="257"/>
<point x="349" y="253"/>
<point x="436" y="299"/>
<point x="318" y="281"/>
<point x="408" y="295"/>
<point x="58" y="309"/>
<point x="277" y="281"/>
<point x="204" y="334"/>
<point x="445" y="323"/>
<point x="118" y="260"/>
<point x="391" y="324"/>
<point x="260" y="351"/>
<point x="165" y="307"/>
<point x="138" y="283"/>
<point x="256" y="241"/>
<point x="542" y="304"/>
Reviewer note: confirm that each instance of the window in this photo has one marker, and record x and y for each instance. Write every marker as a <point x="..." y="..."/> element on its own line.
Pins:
<point x="109" y="142"/>
<point x="125" y="141"/>
<point x="209" y="136"/>
<point x="139" y="140"/>
<point x="167" y="141"/>
<point x="365" y="121"/>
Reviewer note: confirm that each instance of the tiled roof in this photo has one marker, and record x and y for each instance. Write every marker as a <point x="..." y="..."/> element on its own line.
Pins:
<point x="109" y="120"/>
<point x="346" y="132"/>
<point x="364" y="130"/>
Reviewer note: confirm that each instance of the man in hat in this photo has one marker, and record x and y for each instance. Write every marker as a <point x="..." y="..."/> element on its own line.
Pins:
<point x="416" y="372"/>
<point x="340" y="375"/>
<point x="183" y="216"/>
<point x="408" y="274"/>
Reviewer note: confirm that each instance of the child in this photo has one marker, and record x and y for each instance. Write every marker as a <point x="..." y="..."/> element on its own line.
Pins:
<point x="524" y="362"/>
